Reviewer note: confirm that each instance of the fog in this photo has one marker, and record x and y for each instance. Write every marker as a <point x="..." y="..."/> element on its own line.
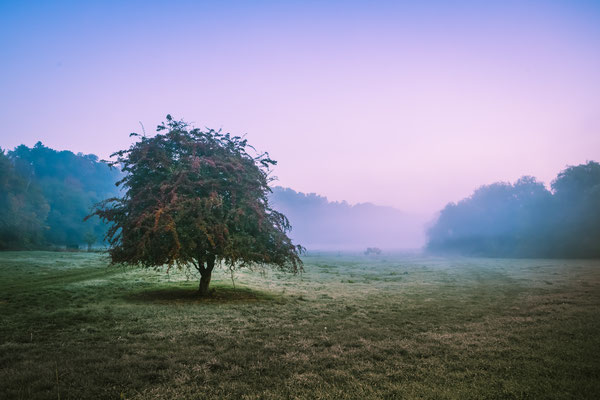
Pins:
<point x="525" y="219"/>
<point x="319" y="224"/>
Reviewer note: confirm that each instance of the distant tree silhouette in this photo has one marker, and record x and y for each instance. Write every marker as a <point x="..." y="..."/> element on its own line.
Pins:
<point x="577" y="211"/>
<point x="90" y="239"/>
<point x="70" y="184"/>
<point x="525" y="219"/>
<point x="23" y="209"/>
<point x="372" y="250"/>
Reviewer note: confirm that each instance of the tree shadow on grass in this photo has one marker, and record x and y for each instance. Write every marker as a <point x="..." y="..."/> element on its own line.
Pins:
<point x="189" y="295"/>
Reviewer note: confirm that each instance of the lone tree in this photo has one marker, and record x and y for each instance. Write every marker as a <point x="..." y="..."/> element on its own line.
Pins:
<point x="196" y="198"/>
<point x="373" y="250"/>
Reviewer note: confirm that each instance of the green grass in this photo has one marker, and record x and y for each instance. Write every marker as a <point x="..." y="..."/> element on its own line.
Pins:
<point x="349" y="327"/>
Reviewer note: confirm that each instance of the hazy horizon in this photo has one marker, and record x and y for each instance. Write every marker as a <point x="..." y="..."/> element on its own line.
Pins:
<point x="410" y="106"/>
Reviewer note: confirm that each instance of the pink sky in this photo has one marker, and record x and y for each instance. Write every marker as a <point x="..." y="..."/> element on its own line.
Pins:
<point x="408" y="106"/>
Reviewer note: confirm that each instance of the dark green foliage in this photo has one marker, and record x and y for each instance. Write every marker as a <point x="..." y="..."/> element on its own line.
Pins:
<point x="196" y="198"/>
<point x="23" y="209"/>
<point x="526" y="219"/>
<point x="71" y="184"/>
<point x="577" y="206"/>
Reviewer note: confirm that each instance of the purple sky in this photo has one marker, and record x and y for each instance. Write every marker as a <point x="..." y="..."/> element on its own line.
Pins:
<point x="404" y="105"/>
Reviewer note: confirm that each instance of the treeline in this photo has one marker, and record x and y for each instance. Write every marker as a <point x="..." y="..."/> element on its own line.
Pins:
<point x="525" y="219"/>
<point x="319" y="224"/>
<point x="45" y="195"/>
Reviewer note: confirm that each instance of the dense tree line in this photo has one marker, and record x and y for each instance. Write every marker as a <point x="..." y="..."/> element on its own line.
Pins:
<point x="23" y="209"/>
<point x="46" y="194"/>
<point x="525" y="219"/>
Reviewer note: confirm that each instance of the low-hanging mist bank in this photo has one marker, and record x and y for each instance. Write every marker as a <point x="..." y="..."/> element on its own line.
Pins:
<point x="525" y="219"/>
<point x="323" y="225"/>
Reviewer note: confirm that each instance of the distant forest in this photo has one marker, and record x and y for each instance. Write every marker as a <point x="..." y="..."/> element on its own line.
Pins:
<point x="45" y="194"/>
<point x="525" y="219"/>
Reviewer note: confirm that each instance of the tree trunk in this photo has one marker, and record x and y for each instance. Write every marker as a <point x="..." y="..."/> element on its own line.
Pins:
<point x="204" y="282"/>
<point x="205" y="275"/>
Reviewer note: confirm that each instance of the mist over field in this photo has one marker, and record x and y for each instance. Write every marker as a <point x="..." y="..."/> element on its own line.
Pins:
<point x="323" y="225"/>
<point x="525" y="219"/>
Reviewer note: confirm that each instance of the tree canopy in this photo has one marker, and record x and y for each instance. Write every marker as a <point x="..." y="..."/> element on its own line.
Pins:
<point x="70" y="184"/>
<point x="525" y="219"/>
<point x="196" y="198"/>
<point x="23" y="209"/>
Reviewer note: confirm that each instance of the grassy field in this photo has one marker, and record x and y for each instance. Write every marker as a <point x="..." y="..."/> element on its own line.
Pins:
<point x="349" y="327"/>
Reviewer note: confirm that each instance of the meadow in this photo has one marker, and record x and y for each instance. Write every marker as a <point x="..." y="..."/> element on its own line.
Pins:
<point x="351" y="326"/>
